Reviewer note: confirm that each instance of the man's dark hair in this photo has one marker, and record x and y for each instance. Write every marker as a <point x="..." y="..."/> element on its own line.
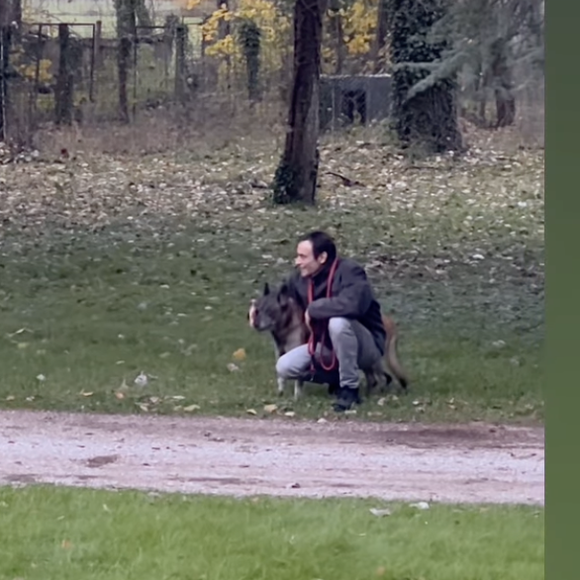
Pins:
<point x="321" y="242"/>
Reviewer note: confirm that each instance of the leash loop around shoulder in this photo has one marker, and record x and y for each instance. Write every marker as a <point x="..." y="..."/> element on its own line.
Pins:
<point x="312" y="341"/>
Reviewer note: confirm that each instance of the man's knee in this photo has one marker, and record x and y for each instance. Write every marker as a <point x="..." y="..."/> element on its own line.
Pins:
<point x="338" y="326"/>
<point x="293" y="364"/>
<point x="283" y="366"/>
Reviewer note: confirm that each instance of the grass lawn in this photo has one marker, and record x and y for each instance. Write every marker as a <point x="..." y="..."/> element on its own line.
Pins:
<point x="110" y="266"/>
<point x="75" y="534"/>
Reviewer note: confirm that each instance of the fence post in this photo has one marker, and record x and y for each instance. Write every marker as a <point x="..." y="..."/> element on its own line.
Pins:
<point x="64" y="89"/>
<point x="124" y="54"/>
<point x="180" y="73"/>
<point x="4" y="65"/>
<point x="97" y="48"/>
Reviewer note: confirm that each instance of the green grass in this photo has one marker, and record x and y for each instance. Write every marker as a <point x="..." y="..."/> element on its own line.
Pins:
<point x="85" y="534"/>
<point x="112" y="266"/>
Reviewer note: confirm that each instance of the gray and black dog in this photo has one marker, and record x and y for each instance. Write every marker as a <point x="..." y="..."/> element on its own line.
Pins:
<point x="278" y="313"/>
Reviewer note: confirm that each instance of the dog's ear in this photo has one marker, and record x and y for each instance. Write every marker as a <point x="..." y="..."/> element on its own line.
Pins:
<point x="266" y="289"/>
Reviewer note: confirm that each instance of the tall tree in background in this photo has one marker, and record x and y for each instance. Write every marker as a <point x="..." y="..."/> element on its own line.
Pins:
<point x="297" y="172"/>
<point x="494" y="42"/>
<point x="380" y="39"/>
<point x="337" y="33"/>
<point x="424" y="104"/>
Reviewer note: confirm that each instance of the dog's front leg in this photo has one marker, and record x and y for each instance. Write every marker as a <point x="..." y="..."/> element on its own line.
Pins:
<point x="281" y="385"/>
<point x="298" y="389"/>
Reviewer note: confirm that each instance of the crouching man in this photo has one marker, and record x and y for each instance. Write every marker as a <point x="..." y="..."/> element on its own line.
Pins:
<point x="347" y="332"/>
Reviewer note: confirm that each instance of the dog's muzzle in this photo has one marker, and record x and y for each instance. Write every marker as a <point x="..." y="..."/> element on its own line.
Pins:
<point x="252" y="314"/>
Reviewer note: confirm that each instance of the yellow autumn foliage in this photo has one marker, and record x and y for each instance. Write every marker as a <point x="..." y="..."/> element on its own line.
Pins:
<point x="274" y="27"/>
<point x="29" y="70"/>
<point x="359" y="21"/>
<point x="359" y="26"/>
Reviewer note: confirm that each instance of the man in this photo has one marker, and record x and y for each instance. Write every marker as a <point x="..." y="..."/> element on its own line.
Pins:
<point x="342" y="313"/>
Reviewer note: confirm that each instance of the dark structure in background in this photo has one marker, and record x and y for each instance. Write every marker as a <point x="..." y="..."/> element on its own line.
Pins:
<point x="350" y="99"/>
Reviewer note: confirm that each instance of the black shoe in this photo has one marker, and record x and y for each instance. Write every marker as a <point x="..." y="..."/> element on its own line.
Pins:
<point x="345" y="399"/>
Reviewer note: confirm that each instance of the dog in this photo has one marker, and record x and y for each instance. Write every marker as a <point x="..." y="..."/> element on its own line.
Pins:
<point x="279" y="314"/>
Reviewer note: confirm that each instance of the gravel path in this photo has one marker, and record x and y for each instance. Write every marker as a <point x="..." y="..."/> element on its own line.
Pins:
<point x="469" y="463"/>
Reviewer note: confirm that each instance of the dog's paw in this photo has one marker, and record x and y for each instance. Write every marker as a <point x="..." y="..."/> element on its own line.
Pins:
<point x="298" y="390"/>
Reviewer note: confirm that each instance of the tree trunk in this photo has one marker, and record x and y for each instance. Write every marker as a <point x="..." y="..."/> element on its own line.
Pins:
<point x="335" y="21"/>
<point x="64" y="89"/>
<point x="126" y="32"/>
<point x="297" y="172"/>
<point x="505" y="102"/>
<point x="4" y="65"/>
<point x="383" y="16"/>
<point x="427" y="119"/>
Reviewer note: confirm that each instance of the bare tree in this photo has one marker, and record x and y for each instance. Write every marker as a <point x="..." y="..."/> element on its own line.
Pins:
<point x="337" y="33"/>
<point x="297" y="172"/>
<point x="382" y="30"/>
<point x="491" y="39"/>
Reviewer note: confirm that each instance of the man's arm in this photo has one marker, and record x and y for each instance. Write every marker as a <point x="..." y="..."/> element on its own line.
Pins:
<point x="353" y="300"/>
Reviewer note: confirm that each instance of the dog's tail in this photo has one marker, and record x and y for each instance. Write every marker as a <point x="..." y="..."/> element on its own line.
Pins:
<point x="391" y="352"/>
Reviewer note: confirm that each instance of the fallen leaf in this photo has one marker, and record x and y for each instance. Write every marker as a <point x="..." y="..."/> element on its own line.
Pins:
<point x="88" y="394"/>
<point x="239" y="354"/>
<point x="289" y="413"/>
<point x="141" y="380"/>
<point x="270" y="408"/>
<point x="10" y="398"/>
<point x="232" y="367"/>
<point x="66" y="545"/>
<point x="380" y="512"/>
<point x="420" y="505"/>
<point x="119" y="395"/>
<point x="191" y="408"/>
<point x="251" y="411"/>
<point x="19" y="331"/>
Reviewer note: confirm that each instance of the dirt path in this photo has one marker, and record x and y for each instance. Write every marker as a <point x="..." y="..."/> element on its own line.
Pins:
<point x="473" y="463"/>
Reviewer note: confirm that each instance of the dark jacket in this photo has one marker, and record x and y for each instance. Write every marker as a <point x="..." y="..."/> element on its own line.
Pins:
<point x="352" y="297"/>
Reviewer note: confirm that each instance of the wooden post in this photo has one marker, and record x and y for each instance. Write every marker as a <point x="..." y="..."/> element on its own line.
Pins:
<point x="64" y="83"/>
<point x="98" y="54"/>
<point x="180" y="80"/>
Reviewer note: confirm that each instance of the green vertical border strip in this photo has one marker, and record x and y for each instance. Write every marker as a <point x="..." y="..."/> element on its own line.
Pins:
<point x="562" y="291"/>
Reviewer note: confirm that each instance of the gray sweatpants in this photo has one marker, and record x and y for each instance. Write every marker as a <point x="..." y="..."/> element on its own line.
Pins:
<point x="353" y="344"/>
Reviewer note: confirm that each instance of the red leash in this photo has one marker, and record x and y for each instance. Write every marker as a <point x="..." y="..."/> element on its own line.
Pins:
<point x="312" y="340"/>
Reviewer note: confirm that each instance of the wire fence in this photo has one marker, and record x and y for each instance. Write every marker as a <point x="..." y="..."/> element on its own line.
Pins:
<point x="70" y="75"/>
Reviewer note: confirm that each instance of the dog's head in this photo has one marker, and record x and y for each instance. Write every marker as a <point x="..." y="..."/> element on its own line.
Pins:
<point x="270" y="310"/>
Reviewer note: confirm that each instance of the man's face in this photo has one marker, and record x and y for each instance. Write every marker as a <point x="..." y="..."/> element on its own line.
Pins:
<point x="305" y="260"/>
